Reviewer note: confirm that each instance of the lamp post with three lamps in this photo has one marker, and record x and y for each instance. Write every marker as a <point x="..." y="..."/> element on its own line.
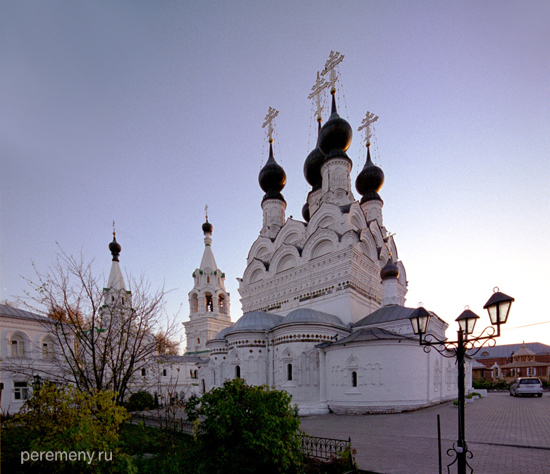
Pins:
<point x="498" y="307"/>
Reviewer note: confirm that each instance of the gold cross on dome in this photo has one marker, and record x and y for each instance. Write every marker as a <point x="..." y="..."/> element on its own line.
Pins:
<point x="268" y="122"/>
<point x="319" y="86"/>
<point x="206" y="211"/>
<point x="333" y="60"/>
<point x="387" y="240"/>
<point x="366" y="125"/>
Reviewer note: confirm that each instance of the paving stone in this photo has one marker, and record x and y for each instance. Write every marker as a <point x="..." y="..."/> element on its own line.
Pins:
<point x="505" y="435"/>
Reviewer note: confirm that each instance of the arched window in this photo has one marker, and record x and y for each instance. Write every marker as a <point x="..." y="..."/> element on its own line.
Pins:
<point x="221" y="303"/>
<point x="354" y="379"/>
<point x="198" y="340"/>
<point x="209" y="303"/>
<point x="48" y="348"/>
<point x="289" y="372"/>
<point x="17" y="346"/>
<point x="194" y="303"/>
<point x="238" y="372"/>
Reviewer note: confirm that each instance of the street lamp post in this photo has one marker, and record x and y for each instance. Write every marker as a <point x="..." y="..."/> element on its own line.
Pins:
<point x="498" y="307"/>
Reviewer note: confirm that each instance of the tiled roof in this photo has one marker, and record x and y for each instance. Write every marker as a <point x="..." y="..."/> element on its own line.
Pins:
<point x="16" y="313"/>
<point x="371" y="334"/>
<point x="506" y="350"/>
<point x="385" y="314"/>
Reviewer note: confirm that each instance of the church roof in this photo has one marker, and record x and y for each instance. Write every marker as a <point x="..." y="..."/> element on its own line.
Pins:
<point x="256" y="321"/>
<point x="208" y="260"/>
<point x="16" y="313"/>
<point x="308" y="315"/>
<point x="385" y="314"/>
<point x="222" y="333"/>
<point x="371" y="334"/>
<point x="170" y="358"/>
<point x="116" y="280"/>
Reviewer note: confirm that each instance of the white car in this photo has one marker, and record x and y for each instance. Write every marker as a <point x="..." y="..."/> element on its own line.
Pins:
<point x="526" y="386"/>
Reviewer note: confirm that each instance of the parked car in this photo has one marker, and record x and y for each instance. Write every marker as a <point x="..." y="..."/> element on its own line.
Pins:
<point x="526" y="386"/>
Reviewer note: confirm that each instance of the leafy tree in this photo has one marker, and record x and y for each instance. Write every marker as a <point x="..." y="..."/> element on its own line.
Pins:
<point x="245" y="429"/>
<point x="64" y="419"/>
<point x="103" y="336"/>
<point x="165" y="345"/>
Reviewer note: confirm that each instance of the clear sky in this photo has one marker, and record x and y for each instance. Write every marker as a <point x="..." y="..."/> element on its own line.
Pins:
<point x="144" y="111"/>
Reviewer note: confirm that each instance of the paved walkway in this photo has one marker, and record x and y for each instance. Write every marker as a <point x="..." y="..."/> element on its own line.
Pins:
<point x="505" y="434"/>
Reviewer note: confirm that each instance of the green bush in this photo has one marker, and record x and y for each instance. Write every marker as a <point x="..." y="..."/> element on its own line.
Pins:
<point x="65" y="420"/>
<point x="485" y="384"/>
<point x="245" y="429"/>
<point x="140" y="401"/>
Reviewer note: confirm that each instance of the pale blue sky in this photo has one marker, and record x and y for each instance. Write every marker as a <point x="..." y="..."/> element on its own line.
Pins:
<point x="144" y="111"/>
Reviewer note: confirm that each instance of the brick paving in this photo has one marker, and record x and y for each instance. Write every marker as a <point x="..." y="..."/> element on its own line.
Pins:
<point x="505" y="435"/>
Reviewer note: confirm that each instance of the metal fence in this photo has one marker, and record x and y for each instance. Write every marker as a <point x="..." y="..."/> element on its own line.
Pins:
<point x="319" y="448"/>
<point x="164" y="422"/>
<point x="324" y="448"/>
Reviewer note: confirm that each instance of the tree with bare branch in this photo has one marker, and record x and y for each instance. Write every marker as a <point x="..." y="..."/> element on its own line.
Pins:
<point x="104" y="336"/>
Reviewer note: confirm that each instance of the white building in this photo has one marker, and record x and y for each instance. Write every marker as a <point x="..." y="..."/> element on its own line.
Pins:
<point x="27" y="349"/>
<point x="324" y="313"/>
<point x="30" y="348"/>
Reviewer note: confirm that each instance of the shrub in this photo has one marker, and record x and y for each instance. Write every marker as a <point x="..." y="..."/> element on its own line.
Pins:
<point x="63" y="419"/>
<point x="140" y="401"/>
<point x="245" y="429"/>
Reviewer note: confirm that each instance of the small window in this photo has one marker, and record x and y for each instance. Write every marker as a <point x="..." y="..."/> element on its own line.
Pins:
<point x="289" y="372"/>
<point x="143" y="372"/>
<point x="238" y="372"/>
<point x="48" y="351"/>
<point x="198" y="340"/>
<point x="354" y="379"/>
<point x="207" y="279"/>
<point x="20" y="391"/>
<point x="164" y="373"/>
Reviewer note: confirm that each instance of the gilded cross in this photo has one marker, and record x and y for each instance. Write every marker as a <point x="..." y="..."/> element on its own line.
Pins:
<point x="319" y="86"/>
<point x="366" y="125"/>
<point x="268" y="122"/>
<point x="334" y="59"/>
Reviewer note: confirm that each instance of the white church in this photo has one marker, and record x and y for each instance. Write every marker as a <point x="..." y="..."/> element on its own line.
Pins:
<point x="323" y="298"/>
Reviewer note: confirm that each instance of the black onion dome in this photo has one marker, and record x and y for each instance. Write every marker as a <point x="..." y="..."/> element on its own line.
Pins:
<point x="390" y="270"/>
<point x="115" y="248"/>
<point x="369" y="181"/>
<point x="336" y="134"/>
<point x="272" y="178"/>
<point x="207" y="227"/>
<point x="313" y="163"/>
<point x="305" y="212"/>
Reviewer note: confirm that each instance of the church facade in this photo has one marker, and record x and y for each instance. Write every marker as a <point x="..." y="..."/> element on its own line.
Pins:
<point x="323" y="298"/>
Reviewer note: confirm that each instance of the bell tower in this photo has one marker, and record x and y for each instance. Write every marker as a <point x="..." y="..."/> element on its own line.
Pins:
<point x="208" y="300"/>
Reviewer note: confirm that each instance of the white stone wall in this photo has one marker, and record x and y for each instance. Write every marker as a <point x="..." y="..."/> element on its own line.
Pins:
<point x="391" y="376"/>
<point x="36" y="359"/>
